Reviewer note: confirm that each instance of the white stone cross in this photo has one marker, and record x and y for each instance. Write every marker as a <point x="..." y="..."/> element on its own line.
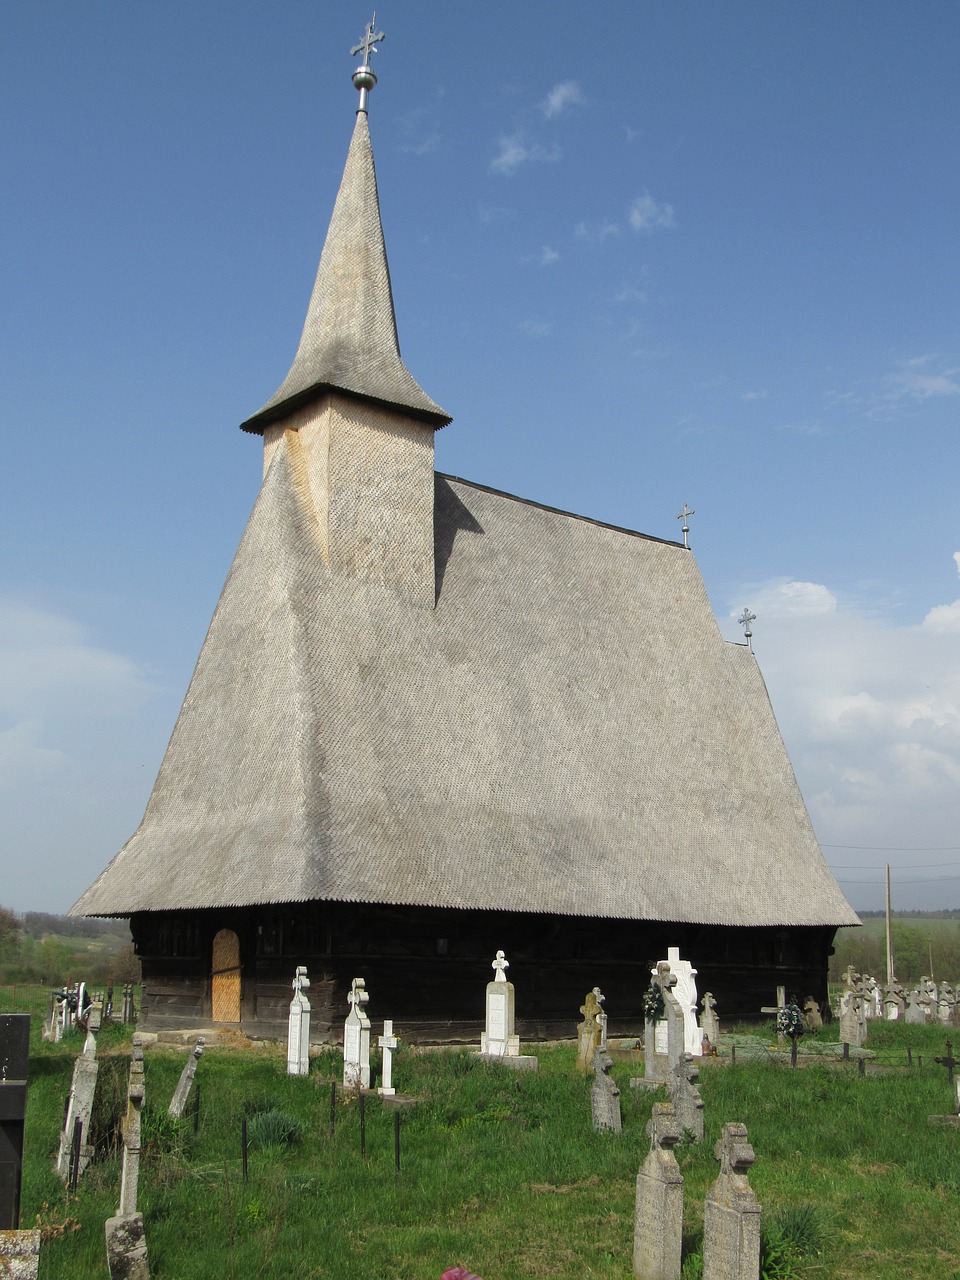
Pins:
<point x="298" y="1026"/>
<point x="356" y="1038"/>
<point x="500" y="965"/>
<point x="387" y="1042"/>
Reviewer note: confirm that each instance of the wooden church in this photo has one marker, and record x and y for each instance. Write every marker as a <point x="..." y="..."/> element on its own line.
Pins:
<point x="431" y="720"/>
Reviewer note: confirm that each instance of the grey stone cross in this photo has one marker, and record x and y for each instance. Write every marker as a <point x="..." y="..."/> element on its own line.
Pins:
<point x="734" y="1152"/>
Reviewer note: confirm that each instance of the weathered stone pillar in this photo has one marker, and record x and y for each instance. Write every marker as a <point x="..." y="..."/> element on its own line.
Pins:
<point x="604" y="1095"/>
<point x="658" y="1225"/>
<point x="184" y="1084"/>
<point x="687" y="1103"/>
<point x="126" y="1242"/>
<point x="731" y="1219"/>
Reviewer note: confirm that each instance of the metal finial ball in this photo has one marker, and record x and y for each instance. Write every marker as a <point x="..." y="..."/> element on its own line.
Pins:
<point x="364" y="78"/>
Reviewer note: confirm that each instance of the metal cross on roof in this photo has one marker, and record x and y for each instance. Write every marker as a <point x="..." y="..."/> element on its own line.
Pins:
<point x="745" y="619"/>
<point x="364" y="78"/>
<point x="683" y="515"/>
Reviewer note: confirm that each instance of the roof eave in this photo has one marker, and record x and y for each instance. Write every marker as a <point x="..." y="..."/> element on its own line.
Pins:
<point x="257" y="424"/>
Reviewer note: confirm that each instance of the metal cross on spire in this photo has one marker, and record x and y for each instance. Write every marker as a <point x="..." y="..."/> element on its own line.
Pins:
<point x="364" y="78"/>
<point x="745" y="619"/>
<point x="684" y="515"/>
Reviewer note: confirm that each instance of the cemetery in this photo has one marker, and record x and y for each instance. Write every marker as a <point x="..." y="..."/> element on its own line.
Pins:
<point x="779" y="1150"/>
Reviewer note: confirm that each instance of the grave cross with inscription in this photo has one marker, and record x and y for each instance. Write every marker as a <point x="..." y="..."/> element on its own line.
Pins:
<point x="356" y="1038"/>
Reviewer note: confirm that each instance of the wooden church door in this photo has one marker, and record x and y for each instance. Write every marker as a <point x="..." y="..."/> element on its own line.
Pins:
<point x="225" y="985"/>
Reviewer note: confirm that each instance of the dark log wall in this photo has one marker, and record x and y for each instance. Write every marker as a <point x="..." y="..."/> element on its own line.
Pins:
<point x="427" y="968"/>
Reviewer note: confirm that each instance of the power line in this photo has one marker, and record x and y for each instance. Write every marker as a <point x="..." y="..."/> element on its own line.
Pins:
<point x="891" y="848"/>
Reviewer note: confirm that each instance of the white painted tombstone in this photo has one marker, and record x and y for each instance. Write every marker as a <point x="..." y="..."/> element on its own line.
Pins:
<point x="182" y="1092"/>
<point x="356" y="1038"/>
<point x="387" y="1042"/>
<point x="499" y="1040"/>
<point x="686" y="992"/>
<point x="126" y="1242"/>
<point x="709" y="1022"/>
<point x="80" y="1102"/>
<point x="298" y="1026"/>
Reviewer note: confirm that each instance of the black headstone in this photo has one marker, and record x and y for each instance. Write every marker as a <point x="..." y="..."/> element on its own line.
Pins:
<point x="14" y="1062"/>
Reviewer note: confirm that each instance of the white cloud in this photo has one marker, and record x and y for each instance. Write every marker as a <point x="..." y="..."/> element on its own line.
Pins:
<point x="545" y="258"/>
<point x="561" y="96"/>
<point x="534" y="328"/>
<point x="870" y="713"/>
<point x="595" y="231"/>
<point x="754" y="395"/>
<point x="646" y="215"/>
<point x="49" y="665"/>
<point x="515" y="151"/>
<point x="920" y="379"/>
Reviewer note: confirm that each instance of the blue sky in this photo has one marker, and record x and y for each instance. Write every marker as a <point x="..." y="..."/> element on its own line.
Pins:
<point x="644" y="254"/>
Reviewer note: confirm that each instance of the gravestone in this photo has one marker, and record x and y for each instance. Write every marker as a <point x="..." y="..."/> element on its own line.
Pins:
<point x="685" y="1096"/>
<point x="946" y="1004"/>
<point x="80" y="1101"/>
<point x="894" y="1002"/>
<point x="601" y="1019"/>
<point x="851" y="1019"/>
<point x="709" y="1022"/>
<point x="658" y="1221"/>
<point x="811" y="1014"/>
<point x="499" y="1040"/>
<point x="387" y="1042"/>
<point x="182" y="1092"/>
<point x="128" y="1013"/>
<point x="731" y="1218"/>
<point x="14" y="1066"/>
<point x="588" y="1033"/>
<point x="126" y="1242"/>
<point x="915" y="1013"/>
<point x="685" y="991"/>
<point x="664" y="1037"/>
<point x="356" y="1038"/>
<point x="19" y="1255"/>
<point x="298" y="1026"/>
<point x="604" y="1095"/>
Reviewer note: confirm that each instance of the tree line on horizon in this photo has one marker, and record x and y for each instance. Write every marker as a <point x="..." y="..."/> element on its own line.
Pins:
<point x="39" y="947"/>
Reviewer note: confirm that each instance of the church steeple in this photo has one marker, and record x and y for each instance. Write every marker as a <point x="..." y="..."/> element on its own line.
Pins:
<point x="349" y="341"/>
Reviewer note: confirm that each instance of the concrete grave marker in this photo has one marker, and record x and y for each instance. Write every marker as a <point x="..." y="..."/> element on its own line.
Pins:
<point x="709" y="1022"/>
<point x="80" y="1102"/>
<point x="19" y="1255"/>
<point x="356" y="1038"/>
<point x="387" y="1042"/>
<point x="731" y="1219"/>
<point x="126" y="1242"/>
<point x="812" y="1017"/>
<point x="604" y="1095"/>
<point x="298" y="1026"/>
<point x="588" y="1033"/>
<point x="915" y="1012"/>
<point x="685" y="990"/>
<point x="685" y="1096"/>
<point x="499" y="1040"/>
<point x="852" y="1023"/>
<point x="182" y="1092"/>
<point x="658" y="1221"/>
<point x="665" y="1036"/>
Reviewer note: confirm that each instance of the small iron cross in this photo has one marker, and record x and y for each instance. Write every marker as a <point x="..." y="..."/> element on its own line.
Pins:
<point x="371" y="38"/>
<point x="745" y="619"/>
<point x="948" y="1061"/>
<point x="684" y="515"/>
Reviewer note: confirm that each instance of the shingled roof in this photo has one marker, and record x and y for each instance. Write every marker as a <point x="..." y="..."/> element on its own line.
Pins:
<point x="566" y="732"/>
<point x="349" y="339"/>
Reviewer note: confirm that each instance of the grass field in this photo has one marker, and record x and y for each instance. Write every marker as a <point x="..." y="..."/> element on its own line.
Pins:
<point x="500" y="1170"/>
